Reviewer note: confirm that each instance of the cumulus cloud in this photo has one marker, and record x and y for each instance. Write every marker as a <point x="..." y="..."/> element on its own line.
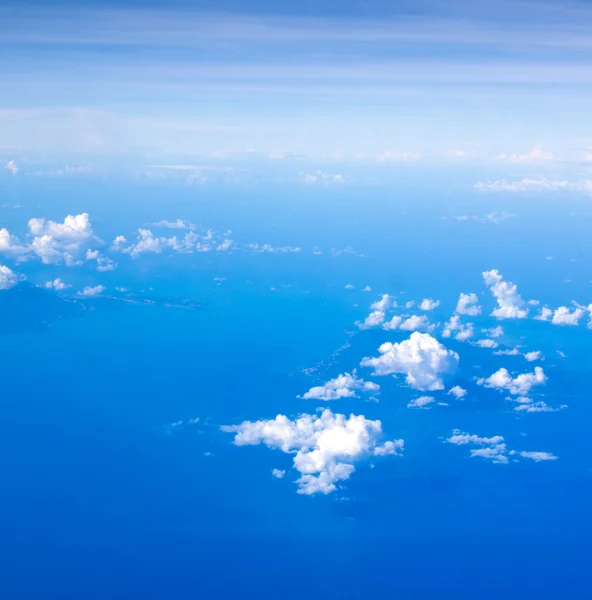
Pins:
<point x="325" y="447"/>
<point x="486" y="343"/>
<point x="57" y="284"/>
<point x="8" y="278"/>
<point x="494" y="218"/>
<point x="494" y="332"/>
<point x="510" y="303"/>
<point x="421" y="402"/>
<point x="457" y="392"/>
<point x="422" y="359"/>
<point x="51" y="241"/>
<point x="562" y="316"/>
<point x="465" y="331"/>
<point x="278" y="473"/>
<point x="468" y="304"/>
<point x="389" y="156"/>
<point x="178" y="224"/>
<point x="89" y="292"/>
<point x="520" y="385"/>
<point x="225" y="245"/>
<point x="536" y="155"/>
<point x="343" y="386"/>
<point x="269" y="249"/>
<point x="412" y="323"/>
<point x="386" y="301"/>
<point x="534" y="355"/>
<point x="374" y="319"/>
<point x="429" y="304"/>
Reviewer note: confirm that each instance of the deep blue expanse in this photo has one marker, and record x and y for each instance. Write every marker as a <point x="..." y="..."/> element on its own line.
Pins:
<point x="106" y="495"/>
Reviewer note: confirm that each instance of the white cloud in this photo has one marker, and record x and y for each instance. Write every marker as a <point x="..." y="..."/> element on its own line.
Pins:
<point x="512" y="352"/>
<point x="421" y="358"/>
<point x="457" y="392"/>
<point x="562" y="315"/>
<point x="465" y="332"/>
<point x="421" y="402"/>
<point x="325" y="446"/>
<point x="11" y="166"/>
<point x="412" y="323"/>
<point x="537" y="154"/>
<point x="269" y="249"/>
<point x="367" y="288"/>
<point x="486" y="344"/>
<point x="57" y="284"/>
<point x="374" y="319"/>
<point x="494" y="332"/>
<point x="468" y="304"/>
<point x="527" y="405"/>
<point x="538" y="456"/>
<point x="73" y="227"/>
<point x="534" y="355"/>
<point x="496" y="453"/>
<point x="343" y="386"/>
<point x="349" y="286"/>
<point x="8" y="278"/>
<point x="460" y="439"/>
<point x="278" y="473"/>
<point x="494" y="218"/>
<point x="511" y="305"/>
<point x="384" y="303"/>
<point x="429" y="304"/>
<point x="89" y="292"/>
<point x="178" y="224"/>
<point x="225" y="245"/>
<point x="527" y="185"/>
<point x="520" y="385"/>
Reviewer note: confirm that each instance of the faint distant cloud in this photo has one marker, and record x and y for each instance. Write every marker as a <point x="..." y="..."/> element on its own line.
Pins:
<point x="537" y="154"/>
<point x="11" y="166"/>
<point x="528" y="185"/>
<point x="495" y="218"/>
<point x="389" y="156"/>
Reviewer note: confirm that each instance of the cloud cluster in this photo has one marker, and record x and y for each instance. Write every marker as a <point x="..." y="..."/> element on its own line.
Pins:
<point x="562" y="316"/>
<point x="325" y="447"/>
<point x="8" y="278"/>
<point x="422" y="359"/>
<point x="468" y="304"/>
<point x="50" y="241"/>
<point x="528" y="185"/>
<point x="510" y="303"/>
<point x="517" y="386"/>
<point x="342" y="386"/>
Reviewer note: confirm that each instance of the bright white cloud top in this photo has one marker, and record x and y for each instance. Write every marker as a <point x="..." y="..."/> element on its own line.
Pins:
<point x="517" y="386"/>
<point x="325" y="447"/>
<point x="8" y="278"/>
<point x="510" y="303"/>
<point x="468" y="304"/>
<point x="422" y="359"/>
<point x="343" y="386"/>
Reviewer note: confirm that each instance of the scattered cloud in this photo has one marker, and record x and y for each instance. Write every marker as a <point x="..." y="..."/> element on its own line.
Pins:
<point x="520" y="385"/>
<point x="536" y="155"/>
<point x="457" y="392"/>
<point x="11" y="166"/>
<point x="325" y="447"/>
<point x="343" y="386"/>
<point x="57" y="284"/>
<point x="429" y="304"/>
<point x="278" y="473"/>
<point x="421" y="402"/>
<point x="8" y="278"/>
<point x="562" y="316"/>
<point x="389" y="156"/>
<point x="465" y="331"/>
<point x="468" y="304"/>
<point x="510" y="303"/>
<point x="538" y="456"/>
<point x="528" y="185"/>
<point x="421" y="358"/>
<point x="89" y="292"/>
<point x="494" y="218"/>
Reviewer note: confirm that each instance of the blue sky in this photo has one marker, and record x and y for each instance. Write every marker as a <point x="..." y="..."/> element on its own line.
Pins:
<point x="324" y="80"/>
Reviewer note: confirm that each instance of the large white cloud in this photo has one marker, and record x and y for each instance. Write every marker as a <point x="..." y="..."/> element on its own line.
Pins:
<point x="325" y="446"/>
<point x="8" y="278"/>
<point x="517" y="386"/>
<point x="421" y="358"/>
<point x="510" y="303"/>
<point x="342" y="386"/>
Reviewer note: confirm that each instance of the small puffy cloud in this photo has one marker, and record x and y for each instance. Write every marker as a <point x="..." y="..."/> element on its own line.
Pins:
<point x="538" y="456"/>
<point x="496" y="453"/>
<point x="422" y="359"/>
<point x="269" y="249"/>
<point x="325" y="447"/>
<point x="536" y="155"/>
<point x="386" y="301"/>
<point x="374" y="319"/>
<point x="178" y="224"/>
<point x="74" y="227"/>
<point x="562" y="316"/>
<point x="349" y="286"/>
<point x="57" y="284"/>
<point x="89" y="292"/>
<point x="11" y="166"/>
<point x="468" y="304"/>
<point x="528" y="406"/>
<point x="465" y="332"/>
<point x="421" y="402"/>
<point x="510" y="352"/>
<point x="225" y="245"/>
<point x="520" y="385"/>
<point x="457" y="392"/>
<point x="343" y="386"/>
<point x="460" y="439"/>
<point x="510" y="303"/>
<point x="367" y="288"/>
<point x="494" y="332"/>
<point x="412" y="323"/>
<point x="278" y="473"/>
<point x="486" y="343"/>
<point x="494" y="218"/>
<point x="8" y="278"/>
<point x="429" y="304"/>
<point x="534" y="355"/>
